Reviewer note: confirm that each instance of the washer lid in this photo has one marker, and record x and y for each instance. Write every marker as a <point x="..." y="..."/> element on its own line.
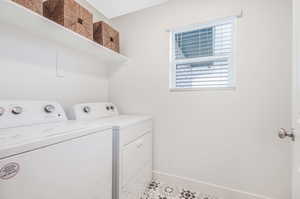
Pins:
<point x="120" y="120"/>
<point x="22" y="139"/>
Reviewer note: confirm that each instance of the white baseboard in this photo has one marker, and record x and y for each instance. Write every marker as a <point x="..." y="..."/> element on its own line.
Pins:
<point x="204" y="187"/>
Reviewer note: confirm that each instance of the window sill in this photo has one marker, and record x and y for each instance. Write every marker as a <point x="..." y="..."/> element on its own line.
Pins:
<point x="232" y="88"/>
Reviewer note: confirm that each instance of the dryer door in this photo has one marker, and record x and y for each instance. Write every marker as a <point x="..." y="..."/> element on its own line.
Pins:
<point x="78" y="168"/>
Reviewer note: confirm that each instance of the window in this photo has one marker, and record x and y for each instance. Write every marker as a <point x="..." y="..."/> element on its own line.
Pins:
<point x="202" y="56"/>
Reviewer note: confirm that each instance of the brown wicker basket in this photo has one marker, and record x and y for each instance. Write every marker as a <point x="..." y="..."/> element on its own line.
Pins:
<point x="70" y="14"/>
<point x="106" y="36"/>
<point x="34" y="5"/>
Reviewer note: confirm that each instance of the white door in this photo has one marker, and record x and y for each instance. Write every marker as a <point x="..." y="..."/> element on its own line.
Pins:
<point x="296" y="99"/>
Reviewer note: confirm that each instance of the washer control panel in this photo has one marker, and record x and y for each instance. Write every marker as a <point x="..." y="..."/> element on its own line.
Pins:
<point x="23" y="113"/>
<point x="94" y="110"/>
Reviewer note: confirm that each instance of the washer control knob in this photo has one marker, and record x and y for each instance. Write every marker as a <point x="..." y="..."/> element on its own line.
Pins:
<point x="87" y="109"/>
<point x="2" y="110"/>
<point x="108" y="108"/>
<point x="112" y="108"/>
<point x="49" y="108"/>
<point x="17" y="110"/>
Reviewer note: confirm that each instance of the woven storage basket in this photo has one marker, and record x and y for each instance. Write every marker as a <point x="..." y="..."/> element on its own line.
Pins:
<point x="106" y="36"/>
<point x="34" y="5"/>
<point x="71" y="15"/>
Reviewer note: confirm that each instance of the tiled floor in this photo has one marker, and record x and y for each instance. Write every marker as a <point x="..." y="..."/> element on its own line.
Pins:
<point x="160" y="190"/>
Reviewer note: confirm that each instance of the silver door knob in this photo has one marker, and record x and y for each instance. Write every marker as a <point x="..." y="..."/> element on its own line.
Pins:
<point x="49" y="108"/>
<point x="17" y="110"/>
<point x="283" y="133"/>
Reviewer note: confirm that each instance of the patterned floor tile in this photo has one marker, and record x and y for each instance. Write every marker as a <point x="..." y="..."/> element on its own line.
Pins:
<point x="159" y="190"/>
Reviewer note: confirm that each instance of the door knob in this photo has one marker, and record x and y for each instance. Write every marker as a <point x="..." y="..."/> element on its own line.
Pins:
<point x="283" y="133"/>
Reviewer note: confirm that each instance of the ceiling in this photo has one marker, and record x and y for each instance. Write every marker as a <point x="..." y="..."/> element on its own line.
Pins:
<point x="115" y="8"/>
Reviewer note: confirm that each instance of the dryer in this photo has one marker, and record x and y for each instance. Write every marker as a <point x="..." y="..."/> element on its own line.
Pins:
<point x="44" y="156"/>
<point x="132" y="159"/>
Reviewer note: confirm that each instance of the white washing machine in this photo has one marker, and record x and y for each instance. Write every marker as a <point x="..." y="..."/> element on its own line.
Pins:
<point x="132" y="147"/>
<point x="44" y="156"/>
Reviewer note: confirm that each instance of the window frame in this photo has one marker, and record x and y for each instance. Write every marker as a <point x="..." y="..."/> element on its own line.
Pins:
<point x="231" y="58"/>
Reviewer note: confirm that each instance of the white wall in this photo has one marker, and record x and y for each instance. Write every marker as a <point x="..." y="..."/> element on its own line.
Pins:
<point x="225" y="137"/>
<point x="28" y="70"/>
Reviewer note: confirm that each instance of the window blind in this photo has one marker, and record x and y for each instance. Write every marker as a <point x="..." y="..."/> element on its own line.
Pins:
<point x="202" y="57"/>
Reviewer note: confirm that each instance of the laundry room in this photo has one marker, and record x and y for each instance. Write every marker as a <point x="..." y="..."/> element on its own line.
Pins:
<point x="149" y="99"/>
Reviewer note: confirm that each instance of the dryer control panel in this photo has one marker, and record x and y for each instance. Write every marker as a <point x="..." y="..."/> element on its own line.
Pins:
<point x="94" y="110"/>
<point x="24" y="113"/>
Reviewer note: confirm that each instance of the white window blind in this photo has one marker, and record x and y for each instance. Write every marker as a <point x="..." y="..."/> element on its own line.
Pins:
<point x="202" y="56"/>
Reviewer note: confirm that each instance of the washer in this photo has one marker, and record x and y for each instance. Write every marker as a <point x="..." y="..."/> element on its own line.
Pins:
<point x="42" y="155"/>
<point x="132" y="165"/>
